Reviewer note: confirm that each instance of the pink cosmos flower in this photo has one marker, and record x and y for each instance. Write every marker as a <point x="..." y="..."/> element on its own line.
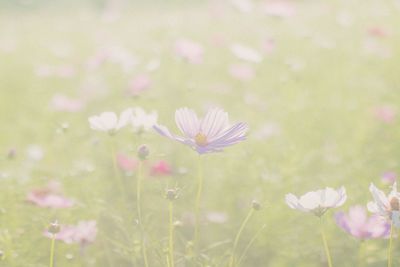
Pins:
<point x="360" y="226"/>
<point x="67" y="104"/>
<point x="242" y="72"/>
<point x="189" y="50"/>
<point x="378" y="32"/>
<point x="139" y="84"/>
<point x="389" y="177"/>
<point x="49" y="197"/>
<point x="126" y="163"/>
<point x="83" y="233"/>
<point x="210" y="134"/>
<point x="279" y="8"/>
<point x="161" y="168"/>
<point x="385" y="113"/>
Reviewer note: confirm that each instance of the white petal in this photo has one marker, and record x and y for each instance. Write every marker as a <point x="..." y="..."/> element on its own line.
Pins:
<point x="372" y="207"/>
<point x="187" y="121"/>
<point x="215" y="121"/>
<point x="310" y="200"/>
<point x="380" y="198"/>
<point x="108" y="120"/>
<point x="124" y="118"/>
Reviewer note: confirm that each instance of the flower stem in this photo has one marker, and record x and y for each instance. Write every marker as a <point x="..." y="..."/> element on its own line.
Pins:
<point x="139" y="211"/>
<point x="171" y="233"/>
<point x="197" y="204"/>
<point x="389" y="263"/>
<point x="115" y="167"/>
<point x="327" y="253"/>
<point x="249" y="244"/>
<point x="239" y="233"/>
<point x="52" y="246"/>
<point x="360" y="254"/>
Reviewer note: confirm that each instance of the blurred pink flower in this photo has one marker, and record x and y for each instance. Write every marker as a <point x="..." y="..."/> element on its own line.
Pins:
<point x="139" y="84"/>
<point x="360" y="226"/>
<point x="246" y="53"/>
<point x="386" y="113"/>
<point x="242" y="72"/>
<point x="161" y="168"/>
<point x="378" y="32"/>
<point x="83" y="233"/>
<point x="268" y="46"/>
<point x="389" y="177"/>
<point x="49" y="197"/>
<point x="126" y="163"/>
<point x="279" y="8"/>
<point x="67" y="104"/>
<point x="189" y="50"/>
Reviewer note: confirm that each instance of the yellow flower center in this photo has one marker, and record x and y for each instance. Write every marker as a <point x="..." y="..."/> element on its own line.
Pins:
<point x="200" y="139"/>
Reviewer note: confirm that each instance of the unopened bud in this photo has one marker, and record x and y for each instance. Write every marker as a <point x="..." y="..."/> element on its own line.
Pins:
<point x="255" y="205"/>
<point x="54" y="228"/>
<point x="394" y="204"/>
<point x="172" y="194"/>
<point x="143" y="152"/>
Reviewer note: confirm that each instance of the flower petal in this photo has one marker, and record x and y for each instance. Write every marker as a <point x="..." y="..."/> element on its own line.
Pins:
<point x="187" y="121"/>
<point x="215" y="121"/>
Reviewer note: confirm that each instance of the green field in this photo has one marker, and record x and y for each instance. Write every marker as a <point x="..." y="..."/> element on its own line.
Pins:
<point x="314" y="110"/>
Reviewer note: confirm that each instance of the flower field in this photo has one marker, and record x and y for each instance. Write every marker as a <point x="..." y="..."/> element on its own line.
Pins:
<point x="221" y="133"/>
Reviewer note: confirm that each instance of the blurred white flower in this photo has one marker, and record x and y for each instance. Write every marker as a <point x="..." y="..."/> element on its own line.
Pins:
<point x="246" y="53"/>
<point x="318" y="202"/>
<point x="386" y="206"/>
<point x="142" y="121"/>
<point x="109" y="121"/>
<point x="35" y="152"/>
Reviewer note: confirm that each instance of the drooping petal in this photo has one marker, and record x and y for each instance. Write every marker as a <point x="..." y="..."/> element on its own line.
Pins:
<point x="380" y="198"/>
<point x="231" y="136"/>
<point x="187" y="122"/>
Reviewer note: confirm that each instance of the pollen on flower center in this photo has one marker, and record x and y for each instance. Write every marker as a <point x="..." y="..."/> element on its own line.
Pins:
<point x="394" y="204"/>
<point x="201" y="139"/>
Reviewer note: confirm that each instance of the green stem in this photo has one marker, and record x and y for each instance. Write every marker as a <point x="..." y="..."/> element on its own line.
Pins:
<point x="360" y="254"/>
<point x="115" y="166"/>
<point x="197" y="205"/>
<point x="52" y="246"/>
<point x="326" y="248"/>
<point x="139" y="211"/>
<point x="249" y="244"/>
<point x="389" y="263"/>
<point x="239" y="233"/>
<point x="171" y="233"/>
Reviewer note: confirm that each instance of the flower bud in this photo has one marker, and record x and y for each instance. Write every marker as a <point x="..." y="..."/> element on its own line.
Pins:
<point x="54" y="228"/>
<point x="172" y="194"/>
<point x="143" y="152"/>
<point x="255" y="205"/>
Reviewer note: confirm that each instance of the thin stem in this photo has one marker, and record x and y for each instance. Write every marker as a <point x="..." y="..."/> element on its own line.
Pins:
<point x="327" y="253"/>
<point x="139" y="211"/>
<point x="115" y="167"/>
<point x="171" y="233"/>
<point x="360" y="254"/>
<point x="389" y="263"/>
<point x="52" y="246"/>
<point x="197" y="205"/>
<point x="249" y="244"/>
<point x="239" y="233"/>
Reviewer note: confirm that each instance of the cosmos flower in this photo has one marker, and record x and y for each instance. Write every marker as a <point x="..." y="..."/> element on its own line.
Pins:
<point x="210" y="134"/>
<point x="139" y="84"/>
<point x="389" y="177"/>
<point x="359" y="225"/>
<point x="83" y="233"/>
<point x="242" y="72"/>
<point x="246" y="53"/>
<point x="189" y="50"/>
<point x="383" y="205"/>
<point x="279" y="8"/>
<point x="318" y="202"/>
<point x="161" y="168"/>
<point x="109" y="121"/>
<point x="64" y="103"/>
<point x="126" y="163"/>
<point x="142" y="121"/>
<point x="49" y="197"/>
<point x="385" y="113"/>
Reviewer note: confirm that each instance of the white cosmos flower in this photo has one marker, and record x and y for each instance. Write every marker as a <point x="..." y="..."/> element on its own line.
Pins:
<point x="246" y="53"/>
<point x="109" y="121"/>
<point x="318" y="202"/>
<point x="386" y="206"/>
<point x="142" y="121"/>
